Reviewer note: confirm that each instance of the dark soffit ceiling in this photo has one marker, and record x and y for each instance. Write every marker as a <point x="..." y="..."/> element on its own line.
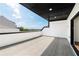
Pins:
<point x="60" y="11"/>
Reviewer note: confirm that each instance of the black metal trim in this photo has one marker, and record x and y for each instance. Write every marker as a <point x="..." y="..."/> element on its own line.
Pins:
<point x="44" y="27"/>
<point x="57" y="20"/>
<point x="72" y="28"/>
<point x="72" y="33"/>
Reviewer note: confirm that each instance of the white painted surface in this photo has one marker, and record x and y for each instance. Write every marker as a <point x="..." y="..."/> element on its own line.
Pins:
<point x="30" y="48"/>
<point x="8" y="39"/>
<point x="7" y="25"/>
<point x="72" y="14"/>
<point x="63" y="29"/>
<point x="56" y="29"/>
<point x="76" y="29"/>
<point x="7" y="30"/>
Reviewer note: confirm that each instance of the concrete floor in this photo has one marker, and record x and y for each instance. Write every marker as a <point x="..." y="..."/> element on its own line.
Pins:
<point x="59" y="47"/>
<point x="42" y="46"/>
<point x="30" y="48"/>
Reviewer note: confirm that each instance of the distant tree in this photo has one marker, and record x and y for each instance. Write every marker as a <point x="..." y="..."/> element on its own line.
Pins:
<point x="21" y="28"/>
<point x="25" y="29"/>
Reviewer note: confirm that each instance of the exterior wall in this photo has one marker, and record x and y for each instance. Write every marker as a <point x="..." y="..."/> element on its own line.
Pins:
<point x="56" y="29"/>
<point x="7" y="30"/>
<point x="72" y="14"/>
<point x="61" y="28"/>
<point x="76" y="29"/>
<point x="7" y="25"/>
<point x="8" y="39"/>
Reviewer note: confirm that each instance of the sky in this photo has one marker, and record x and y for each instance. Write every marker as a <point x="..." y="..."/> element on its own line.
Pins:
<point x="22" y="16"/>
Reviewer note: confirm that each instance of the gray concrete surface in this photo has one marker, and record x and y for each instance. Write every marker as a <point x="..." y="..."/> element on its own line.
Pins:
<point x="59" y="47"/>
<point x="42" y="46"/>
<point x="15" y="38"/>
<point x="33" y="47"/>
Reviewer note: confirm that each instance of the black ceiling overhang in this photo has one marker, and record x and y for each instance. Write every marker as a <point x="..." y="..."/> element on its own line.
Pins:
<point x="59" y="10"/>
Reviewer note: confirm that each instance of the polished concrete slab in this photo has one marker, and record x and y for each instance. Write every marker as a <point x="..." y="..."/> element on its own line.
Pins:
<point x="42" y="46"/>
<point x="59" y="47"/>
<point x="33" y="47"/>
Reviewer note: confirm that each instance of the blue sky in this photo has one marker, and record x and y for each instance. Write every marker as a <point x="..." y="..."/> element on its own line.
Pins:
<point x="22" y="16"/>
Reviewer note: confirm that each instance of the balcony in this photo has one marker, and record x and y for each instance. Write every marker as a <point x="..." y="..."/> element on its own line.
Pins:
<point x="34" y="44"/>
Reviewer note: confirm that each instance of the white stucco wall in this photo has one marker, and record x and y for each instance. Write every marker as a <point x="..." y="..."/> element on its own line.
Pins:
<point x="7" y="30"/>
<point x="7" y="25"/>
<point x="61" y="28"/>
<point x="74" y="11"/>
<point x="76" y="29"/>
<point x="8" y="39"/>
<point x="56" y="29"/>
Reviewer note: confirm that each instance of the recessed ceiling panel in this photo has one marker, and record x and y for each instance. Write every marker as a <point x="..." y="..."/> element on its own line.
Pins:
<point x="51" y="11"/>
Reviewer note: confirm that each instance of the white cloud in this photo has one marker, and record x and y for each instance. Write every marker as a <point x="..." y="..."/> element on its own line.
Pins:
<point x="16" y="9"/>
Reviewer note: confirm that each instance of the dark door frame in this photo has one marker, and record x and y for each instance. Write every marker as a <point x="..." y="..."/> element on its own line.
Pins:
<point x="72" y="28"/>
<point x="72" y="33"/>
